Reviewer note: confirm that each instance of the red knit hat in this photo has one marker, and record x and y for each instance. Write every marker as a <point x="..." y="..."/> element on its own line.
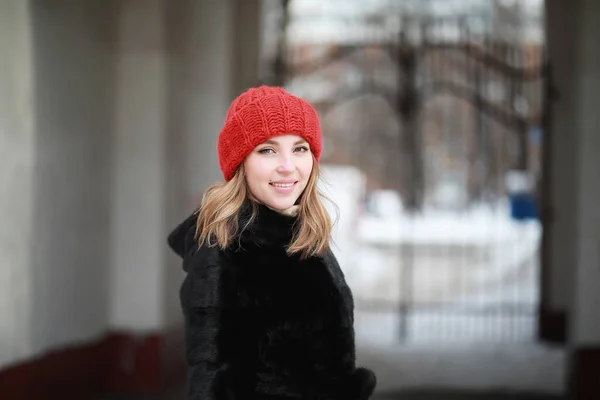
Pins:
<point x="262" y="113"/>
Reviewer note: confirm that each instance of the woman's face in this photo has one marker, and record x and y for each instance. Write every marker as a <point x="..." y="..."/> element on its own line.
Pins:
<point x="277" y="170"/>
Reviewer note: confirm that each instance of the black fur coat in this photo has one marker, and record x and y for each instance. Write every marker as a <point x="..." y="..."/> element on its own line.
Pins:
<point x="263" y="325"/>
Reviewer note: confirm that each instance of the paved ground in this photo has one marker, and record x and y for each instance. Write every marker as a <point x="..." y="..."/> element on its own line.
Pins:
<point x="522" y="368"/>
<point x="405" y="395"/>
<point x="458" y="395"/>
<point x="457" y="372"/>
<point x="423" y="394"/>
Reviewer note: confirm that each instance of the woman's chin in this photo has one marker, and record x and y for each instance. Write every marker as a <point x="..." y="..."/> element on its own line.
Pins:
<point x="280" y="204"/>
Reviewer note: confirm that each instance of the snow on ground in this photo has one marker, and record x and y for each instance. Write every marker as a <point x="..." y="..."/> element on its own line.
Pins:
<point x="440" y="257"/>
<point x="480" y="225"/>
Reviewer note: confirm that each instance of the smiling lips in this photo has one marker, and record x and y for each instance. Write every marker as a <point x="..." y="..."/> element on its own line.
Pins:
<point x="283" y="187"/>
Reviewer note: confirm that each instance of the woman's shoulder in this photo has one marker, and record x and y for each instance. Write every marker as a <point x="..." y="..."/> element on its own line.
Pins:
<point x="184" y="242"/>
<point x="180" y="238"/>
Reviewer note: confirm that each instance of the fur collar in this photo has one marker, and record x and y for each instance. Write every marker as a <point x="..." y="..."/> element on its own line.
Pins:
<point x="270" y="228"/>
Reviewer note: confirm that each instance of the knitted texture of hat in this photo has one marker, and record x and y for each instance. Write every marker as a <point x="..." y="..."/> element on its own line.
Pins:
<point x="259" y="114"/>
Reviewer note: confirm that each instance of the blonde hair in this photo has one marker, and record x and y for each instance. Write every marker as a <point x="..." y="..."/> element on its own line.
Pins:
<point x="218" y="225"/>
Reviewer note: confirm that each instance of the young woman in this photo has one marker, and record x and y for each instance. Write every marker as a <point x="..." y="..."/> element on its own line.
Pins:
<point x="268" y="313"/>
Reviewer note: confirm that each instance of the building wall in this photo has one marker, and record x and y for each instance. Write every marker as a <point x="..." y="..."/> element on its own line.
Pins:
<point x="138" y="165"/>
<point x="586" y="321"/>
<point x="561" y="22"/>
<point x="17" y="165"/>
<point x="74" y="81"/>
<point x="574" y="229"/>
<point x="109" y="116"/>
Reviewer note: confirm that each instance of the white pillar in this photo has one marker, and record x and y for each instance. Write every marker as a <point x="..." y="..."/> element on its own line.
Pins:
<point x="74" y="80"/>
<point x="17" y="158"/>
<point x="137" y="224"/>
<point x="247" y="47"/>
<point x="212" y="64"/>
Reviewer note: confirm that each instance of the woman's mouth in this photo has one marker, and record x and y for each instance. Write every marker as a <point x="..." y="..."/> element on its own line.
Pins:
<point x="283" y="187"/>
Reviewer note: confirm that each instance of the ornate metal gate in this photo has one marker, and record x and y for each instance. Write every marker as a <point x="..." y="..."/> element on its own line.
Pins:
<point x="450" y="118"/>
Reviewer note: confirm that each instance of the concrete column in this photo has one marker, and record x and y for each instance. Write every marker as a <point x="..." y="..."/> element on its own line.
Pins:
<point x="212" y="37"/>
<point x="179" y="17"/>
<point x="560" y="231"/>
<point x="73" y="101"/>
<point x="247" y="27"/>
<point x="138" y="175"/>
<point x="573" y="30"/>
<point x="585" y="317"/>
<point x="17" y="167"/>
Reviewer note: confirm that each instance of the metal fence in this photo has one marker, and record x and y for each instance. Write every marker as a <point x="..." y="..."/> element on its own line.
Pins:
<point x="442" y="114"/>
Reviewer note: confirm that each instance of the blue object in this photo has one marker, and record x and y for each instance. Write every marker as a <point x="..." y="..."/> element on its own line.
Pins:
<point x="522" y="207"/>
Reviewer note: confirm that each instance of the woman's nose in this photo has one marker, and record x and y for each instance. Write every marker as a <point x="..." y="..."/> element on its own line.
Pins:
<point x="286" y="164"/>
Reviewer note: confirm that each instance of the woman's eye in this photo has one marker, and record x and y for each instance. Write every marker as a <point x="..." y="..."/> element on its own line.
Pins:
<point x="266" y="151"/>
<point x="302" y="149"/>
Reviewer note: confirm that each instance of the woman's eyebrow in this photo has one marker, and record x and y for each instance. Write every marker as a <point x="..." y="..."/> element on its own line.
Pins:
<point x="274" y="142"/>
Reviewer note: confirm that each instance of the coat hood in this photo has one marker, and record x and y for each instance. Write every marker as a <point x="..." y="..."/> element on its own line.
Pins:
<point x="181" y="239"/>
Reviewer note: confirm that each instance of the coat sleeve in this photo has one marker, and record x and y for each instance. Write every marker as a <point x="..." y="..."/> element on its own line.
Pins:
<point x="204" y="309"/>
<point x="358" y="383"/>
<point x="202" y="312"/>
<point x="219" y="346"/>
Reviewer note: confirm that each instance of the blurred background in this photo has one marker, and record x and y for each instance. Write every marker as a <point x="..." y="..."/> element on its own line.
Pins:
<point x="461" y="142"/>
